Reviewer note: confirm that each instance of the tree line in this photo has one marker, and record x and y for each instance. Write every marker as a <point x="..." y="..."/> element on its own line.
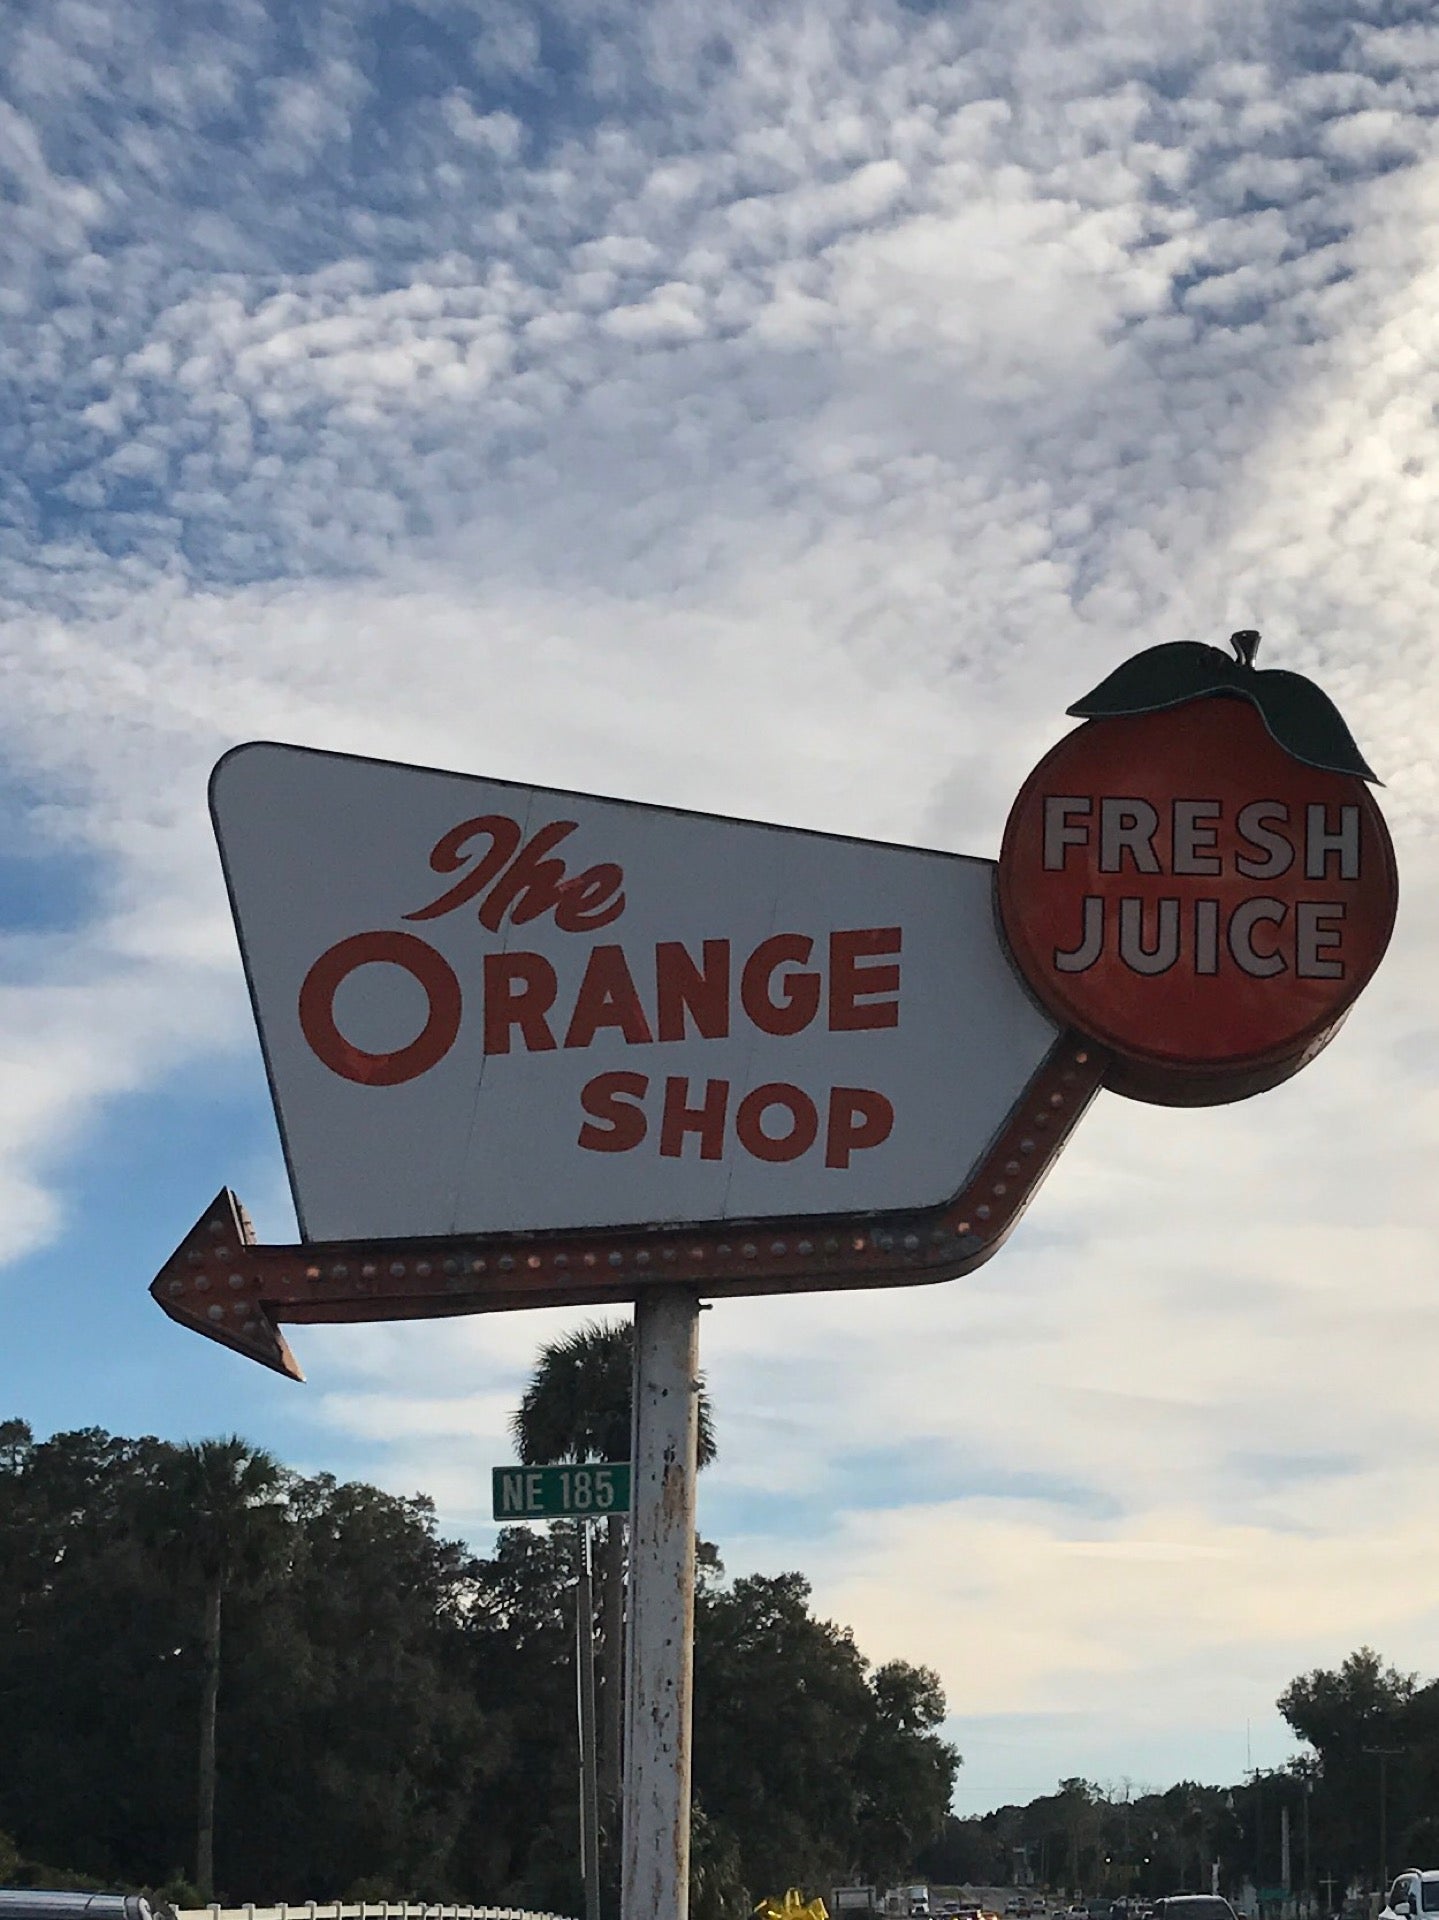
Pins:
<point x="1358" y="1802"/>
<point x="220" y="1674"/>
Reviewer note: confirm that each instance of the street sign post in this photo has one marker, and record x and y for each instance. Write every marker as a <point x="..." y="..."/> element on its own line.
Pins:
<point x="585" y="1715"/>
<point x="587" y="1492"/>
<point x="535" y="1048"/>
<point x="574" y="1492"/>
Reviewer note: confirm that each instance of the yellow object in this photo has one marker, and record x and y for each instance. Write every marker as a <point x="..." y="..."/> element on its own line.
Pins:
<point x="794" y="1906"/>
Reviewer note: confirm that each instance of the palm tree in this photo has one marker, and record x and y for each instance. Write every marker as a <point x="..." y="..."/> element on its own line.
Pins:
<point x="222" y="1517"/>
<point x="577" y="1407"/>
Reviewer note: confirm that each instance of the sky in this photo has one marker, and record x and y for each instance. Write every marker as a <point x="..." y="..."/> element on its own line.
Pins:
<point x="784" y="410"/>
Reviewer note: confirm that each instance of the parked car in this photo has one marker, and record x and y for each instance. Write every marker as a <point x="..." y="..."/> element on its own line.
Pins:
<point x="1194" y="1906"/>
<point x="1416" y="1890"/>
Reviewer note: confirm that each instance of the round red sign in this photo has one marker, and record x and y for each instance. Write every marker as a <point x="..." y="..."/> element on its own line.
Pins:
<point x="1179" y="886"/>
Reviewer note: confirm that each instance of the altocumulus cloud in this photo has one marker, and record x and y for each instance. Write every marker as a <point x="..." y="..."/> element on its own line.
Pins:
<point x="785" y="410"/>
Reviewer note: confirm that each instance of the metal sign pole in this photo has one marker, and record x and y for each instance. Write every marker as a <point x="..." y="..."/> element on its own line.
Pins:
<point x="662" y="1606"/>
<point x="585" y="1679"/>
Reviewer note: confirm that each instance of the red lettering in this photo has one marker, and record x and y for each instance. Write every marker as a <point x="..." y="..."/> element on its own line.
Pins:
<point x="706" y="1120"/>
<point x="701" y="992"/>
<point x="448" y="856"/>
<point x="520" y="989"/>
<point x="789" y="1146"/>
<point x="422" y="963"/>
<point x="607" y="1100"/>
<point x="858" y="1118"/>
<point x="591" y="900"/>
<point x="850" y="983"/>
<point x="520" y="880"/>
<point x="607" y="998"/>
<point x="800" y="1002"/>
<point x="531" y="884"/>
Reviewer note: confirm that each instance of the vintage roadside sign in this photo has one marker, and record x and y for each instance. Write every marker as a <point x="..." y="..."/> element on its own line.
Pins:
<point x="530" y="1047"/>
<point x="583" y="1492"/>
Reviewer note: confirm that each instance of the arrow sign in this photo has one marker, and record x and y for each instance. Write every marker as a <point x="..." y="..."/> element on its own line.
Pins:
<point x="219" y="1282"/>
<point x="534" y="1048"/>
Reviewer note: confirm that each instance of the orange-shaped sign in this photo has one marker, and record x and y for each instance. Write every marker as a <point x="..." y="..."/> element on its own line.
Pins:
<point x="1179" y="884"/>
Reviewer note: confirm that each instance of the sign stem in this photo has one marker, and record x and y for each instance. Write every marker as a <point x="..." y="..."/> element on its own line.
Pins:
<point x="585" y="1676"/>
<point x="660" y="1673"/>
<point x="1245" y="644"/>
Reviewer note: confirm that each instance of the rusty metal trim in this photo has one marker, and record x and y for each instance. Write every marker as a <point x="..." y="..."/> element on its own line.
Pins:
<point x="221" y="1283"/>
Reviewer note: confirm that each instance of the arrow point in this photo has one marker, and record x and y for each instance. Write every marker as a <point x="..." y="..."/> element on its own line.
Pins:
<point x="212" y="1285"/>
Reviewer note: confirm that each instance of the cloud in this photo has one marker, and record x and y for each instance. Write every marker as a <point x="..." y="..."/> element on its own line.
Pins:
<point x="782" y="413"/>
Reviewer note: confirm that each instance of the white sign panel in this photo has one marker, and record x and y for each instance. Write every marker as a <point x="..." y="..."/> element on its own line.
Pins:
<point x="492" y="1008"/>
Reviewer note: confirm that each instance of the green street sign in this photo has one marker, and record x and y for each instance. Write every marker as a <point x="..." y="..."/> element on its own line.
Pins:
<point x="562" y="1493"/>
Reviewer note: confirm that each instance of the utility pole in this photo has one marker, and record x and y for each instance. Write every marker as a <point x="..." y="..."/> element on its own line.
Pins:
<point x="1124" y="1859"/>
<point x="1308" y="1882"/>
<point x="1384" y="1755"/>
<point x="585" y="1702"/>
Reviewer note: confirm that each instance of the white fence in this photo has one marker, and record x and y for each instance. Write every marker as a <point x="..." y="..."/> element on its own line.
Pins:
<point x="354" y="1910"/>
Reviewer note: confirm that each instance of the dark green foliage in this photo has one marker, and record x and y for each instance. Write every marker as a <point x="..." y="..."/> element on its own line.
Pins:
<point x="396" y="1714"/>
<point x="824" y="1771"/>
<point x="577" y="1405"/>
<point x="717" y="1886"/>
<point x="354" y="1738"/>
<point x="1113" y="1843"/>
<point x="215" y="1507"/>
<point x="1105" y="1843"/>
<point x="1345" y="1715"/>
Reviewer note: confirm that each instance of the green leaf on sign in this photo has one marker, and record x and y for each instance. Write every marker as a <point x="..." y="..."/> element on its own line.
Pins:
<point x="1163" y="676"/>
<point x="1299" y="715"/>
<point x="1306" y="723"/>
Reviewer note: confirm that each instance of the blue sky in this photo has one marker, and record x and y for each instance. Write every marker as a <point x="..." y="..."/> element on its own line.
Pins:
<point x="784" y="411"/>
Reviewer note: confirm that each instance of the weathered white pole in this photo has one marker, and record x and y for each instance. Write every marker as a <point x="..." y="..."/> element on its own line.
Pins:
<point x="660" y="1666"/>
